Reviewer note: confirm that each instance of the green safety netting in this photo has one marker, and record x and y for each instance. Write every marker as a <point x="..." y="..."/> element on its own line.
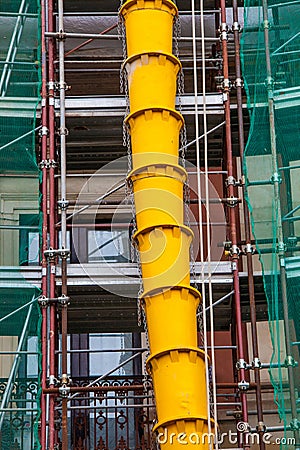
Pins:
<point x="20" y="225"/>
<point x="275" y="213"/>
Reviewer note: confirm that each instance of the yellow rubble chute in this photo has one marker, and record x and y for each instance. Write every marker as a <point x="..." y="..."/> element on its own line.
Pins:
<point x="176" y="365"/>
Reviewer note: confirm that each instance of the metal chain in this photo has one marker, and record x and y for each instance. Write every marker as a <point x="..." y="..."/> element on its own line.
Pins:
<point x="183" y="145"/>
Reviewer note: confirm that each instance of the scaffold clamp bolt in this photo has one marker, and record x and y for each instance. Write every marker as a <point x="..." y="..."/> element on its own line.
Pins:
<point x="290" y="361"/>
<point x="64" y="390"/>
<point x="230" y="181"/>
<point x="256" y="363"/>
<point x="232" y="202"/>
<point x="51" y="253"/>
<point x="249" y="249"/>
<point x="44" y="131"/>
<point x="295" y="424"/>
<point x="63" y="131"/>
<point x="276" y="178"/>
<point x="63" y="203"/>
<point x="236" y="27"/>
<point x="61" y="35"/>
<point x="281" y="248"/>
<point x="235" y="250"/>
<point x="261" y="427"/>
<point x="63" y="300"/>
<point x="43" y="301"/>
<point x="241" y="364"/>
<point x="238" y="83"/>
<point x="243" y="385"/>
<point x="226" y="85"/>
<point x="52" y="380"/>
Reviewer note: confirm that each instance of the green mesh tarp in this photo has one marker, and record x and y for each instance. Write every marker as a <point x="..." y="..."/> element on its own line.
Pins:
<point x="20" y="225"/>
<point x="276" y="214"/>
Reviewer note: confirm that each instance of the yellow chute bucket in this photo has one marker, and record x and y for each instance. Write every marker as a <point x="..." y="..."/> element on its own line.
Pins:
<point x="164" y="255"/>
<point x="149" y="25"/>
<point x="183" y="302"/>
<point x="158" y="194"/>
<point x="183" y="371"/>
<point x="187" y="433"/>
<point x="155" y="131"/>
<point x="152" y="80"/>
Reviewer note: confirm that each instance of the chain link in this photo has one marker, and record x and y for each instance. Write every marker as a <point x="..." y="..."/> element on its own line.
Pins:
<point x="183" y="145"/>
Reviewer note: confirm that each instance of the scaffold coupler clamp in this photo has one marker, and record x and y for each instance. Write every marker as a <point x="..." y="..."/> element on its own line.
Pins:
<point x="290" y="362"/>
<point x="223" y="31"/>
<point x="44" y="131"/>
<point x="238" y="83"/>
<point x="64" y="388"/>
<point x="276" y="178"/>
<point x="63" y="204"/>
<point x="53" y="381"/>
<point x="243" y="385"/>
<point x="232" y="201"/>
<point x="236" y="27"/>
<point x="295" y="424"/>
<point x="241" y="364"/>
<point x="51" y="253"/>
<point x="231" y="181"/>
<point x="48" y="164"/>
<point x="61" y="35"/>
<point x="43" y="301"/>
<point x="261" y="427"/>
<point x="256" y="363"/>
<point x="249" y="249"/>
<point x="63" y="300"/>
<point x="235" y="251"/>
<point x="226" y="85"/>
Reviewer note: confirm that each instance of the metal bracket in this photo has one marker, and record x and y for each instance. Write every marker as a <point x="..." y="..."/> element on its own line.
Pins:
<point x="61" y="252"/>
<point x="63" y="131"/>
<point x="232" y="202"/>
<point x="64" y="391"/>
<point x="43" y="301"/>
<point x="241" y="364"/>
<point x="269" y="83"/>
<point x="281" y="248"/>
<point x="256" y="363"/>
<point x="230" y="181"/>
<point x="295" y="424"/>
<point x="236" y="27"/>
<point x="63" y="300"/>
<point x="290" y="361"/>
<point x="238" y="83"/>
<point x="276" y="178"/>
<point x="61" y="35"/>
<point x="291" y="242"/>
<point x="234" y="250"/>
<point x="261" y="427"/>
<point x="226" y="85"/>
<point x="48" y="164"/>
<point x="63" y="204"/>
<point x="223" y="30"/>
<point x="51" y="85"/>
<point x="265" y="25"/>
<point x="249" y="249"/>
<point x="44" y="131"/>
<point x="243" y="385"/>
<point x="52" y="380"/>
<point x="237" y="414"/>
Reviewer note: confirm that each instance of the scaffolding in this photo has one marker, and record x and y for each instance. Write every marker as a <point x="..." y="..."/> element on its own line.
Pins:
<point x="270" y="42"/>
<point x="73" y="342"/>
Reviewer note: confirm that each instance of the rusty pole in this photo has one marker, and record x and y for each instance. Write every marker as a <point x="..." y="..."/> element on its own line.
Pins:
<point x="232" y="217"/>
